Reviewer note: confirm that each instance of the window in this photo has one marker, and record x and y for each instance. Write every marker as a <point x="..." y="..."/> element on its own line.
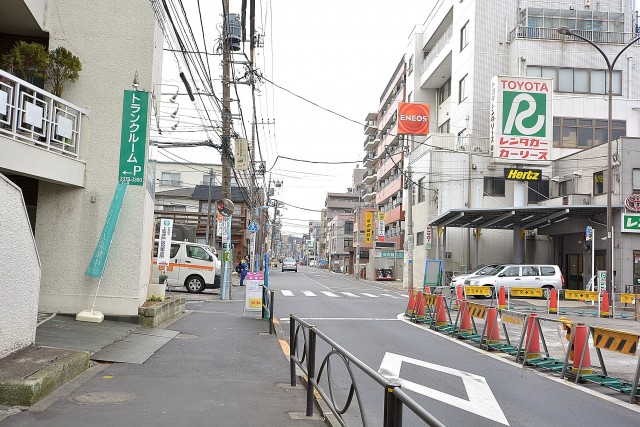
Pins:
<point x="237" y="209"/>
<point x="598" y="183"/>
<point x="197" y="252"/>
<point x="511" y="272"/>
<point x="174" y="208"/>
<point x="547" y="271"/>
<point x="578" y="80"/>
<point x="566" y="187"/>
<point x="420" y="238"/>
<point x="421" y="190"/>
<point x="494" y="186"/>
<point x="205" y="179"/>
<point x="635" y="178"/>
<point x="348" y="227"/>
<point x="538" y="191"/>
<point x="410" y="66"/>
<point x="348" y="243"/>
<point x="530" y="270"/>
<point x="584" y="133"/>
<point x="170" y="178"/>
<point x="462" y="89"/>
<point x="444" y="92"/>
<point x="444" y="128"/>
<point x="464" y="36"/>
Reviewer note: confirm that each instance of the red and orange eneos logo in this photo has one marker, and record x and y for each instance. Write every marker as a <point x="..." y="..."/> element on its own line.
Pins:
<point x="413" y="119"/>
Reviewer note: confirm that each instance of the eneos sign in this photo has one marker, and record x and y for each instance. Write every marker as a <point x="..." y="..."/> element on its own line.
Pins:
<point x="413" y="119"/>
<point x="520" y="122"/>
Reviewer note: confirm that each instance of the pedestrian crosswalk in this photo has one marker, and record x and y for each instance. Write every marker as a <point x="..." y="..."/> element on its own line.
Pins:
<point x="336" y="294"/>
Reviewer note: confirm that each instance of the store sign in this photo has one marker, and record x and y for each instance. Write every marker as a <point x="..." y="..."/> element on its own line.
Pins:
<point x="630" y="223"/>
<point x="515" y="174"/>
<point x="242" y="154"/>
<point x="133" y="137"/>
<point x="428" y="238"/>
<point x="164" y="241"/>
<point x="413" y="119"/>
<point x="632" y="202"/>
<point x="380" y="228"/>
<point x="520" y="121"/>
<point x="368" y="227"/>
<point x="392" y="254"/>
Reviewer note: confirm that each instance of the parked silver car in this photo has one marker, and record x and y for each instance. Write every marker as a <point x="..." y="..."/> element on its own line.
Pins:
<point x="480" y="270"/>
<point x="524" y="276"/>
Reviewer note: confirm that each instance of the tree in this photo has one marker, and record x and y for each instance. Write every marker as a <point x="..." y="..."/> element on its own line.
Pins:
<point x="63" y="66"/>
<point x="28" y="61"/>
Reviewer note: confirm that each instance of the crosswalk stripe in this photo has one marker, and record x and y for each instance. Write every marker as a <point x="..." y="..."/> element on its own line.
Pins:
<point x="390" y="296"/>
<point x="349" y="294"/>
<point x="404" y="296"/>
<point x="330" y="294"/>
<point x="370" y="295"/>
<point x="309" y="293"/>
<point x="287" y="293"/>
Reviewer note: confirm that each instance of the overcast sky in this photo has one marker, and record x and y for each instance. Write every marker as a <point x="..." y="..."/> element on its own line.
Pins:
<point x="338" y="54"/>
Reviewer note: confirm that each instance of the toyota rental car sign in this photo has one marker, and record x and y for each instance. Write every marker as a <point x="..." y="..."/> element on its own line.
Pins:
<point x="520" y="122"/>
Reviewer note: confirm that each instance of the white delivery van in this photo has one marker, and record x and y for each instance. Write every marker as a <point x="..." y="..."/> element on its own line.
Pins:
<point x="191" y="265"/>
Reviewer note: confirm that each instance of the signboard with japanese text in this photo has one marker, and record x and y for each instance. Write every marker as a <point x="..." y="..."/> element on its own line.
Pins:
<point x="241" y="154"/>
<point x="413" y="118"/>
<point x="630" y="223"/>
<point x="223" y="225"/>
<point x="133" y="140"/>
<point x="164" y="241"/>
<point x="253" y="290"/>
<point x="368" y="227"/>
<point x="520" y="120"/>
<point x="380" y="227"/>
<point x="428" y="238"/>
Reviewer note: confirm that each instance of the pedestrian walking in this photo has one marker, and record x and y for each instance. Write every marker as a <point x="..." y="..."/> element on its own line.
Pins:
<point x="244" y="269"/>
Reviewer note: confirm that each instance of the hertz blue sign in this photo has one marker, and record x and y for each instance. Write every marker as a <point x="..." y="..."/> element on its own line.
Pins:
<point x="514" y="174"/>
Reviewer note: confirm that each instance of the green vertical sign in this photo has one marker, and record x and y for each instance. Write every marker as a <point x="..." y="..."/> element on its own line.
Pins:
<point x="133" y="141"/>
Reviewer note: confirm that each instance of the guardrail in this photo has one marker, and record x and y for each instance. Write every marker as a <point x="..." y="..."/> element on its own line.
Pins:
<point x="267" y="307"/>
<point x="395" y="399"/>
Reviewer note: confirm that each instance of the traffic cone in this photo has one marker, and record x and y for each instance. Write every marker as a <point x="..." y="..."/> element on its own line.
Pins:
<point x="604" y="305"/>
<point x="420" y="301"/>
<point x="493" y="329"/>
<point x="553" y="302"/>
<point x="532" y="339"/>
<point x="465" y="318"/>
<point x="459" y="298"/>
<point x="581" y="361"/>
<point x="411" y="307"/>
<point x="501" y="298"/>
<point x="441" y="315"/>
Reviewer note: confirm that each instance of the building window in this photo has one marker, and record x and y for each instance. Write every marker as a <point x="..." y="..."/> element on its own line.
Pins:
<point x="410" y="66"/>
<point x="598" y="183"/>
<point x="595" y="25"/>
<point x="464" y="36"/>
<point x="462" y="89"/>
<point x="566" y="187"/>
<point x="444" y="92"/>
<point x="420" y="238"/>
<point x="494" y="186"/>
<point x="348" y="227"/>
<point x="421" y="190"/>
<point x="444" y="128"/>
<point x="578" y="80"/>
<point x="205" y="179"/>
<point x="636" y="179"/>
<point x="538" y="191"/>
<point x="348" y="243"/>
<point x="584" y="133"/>
<point x="170" y="178"/>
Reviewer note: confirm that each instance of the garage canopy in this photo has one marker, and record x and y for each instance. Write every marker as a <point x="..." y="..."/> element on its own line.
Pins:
<point x="528" y="218"/>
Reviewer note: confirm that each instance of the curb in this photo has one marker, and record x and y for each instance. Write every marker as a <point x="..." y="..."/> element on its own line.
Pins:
<point x="27" y="391"/>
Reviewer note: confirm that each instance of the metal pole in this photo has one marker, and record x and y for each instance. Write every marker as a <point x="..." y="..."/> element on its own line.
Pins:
<point x="409" y="219"/>
<point x="311" y="368"/>
<point x="292" y="349"/>
<point x="272" y="328"/>
<point x="392" y="407"/>
<point x="356" y="267"/>
<point x="209" y="233"/>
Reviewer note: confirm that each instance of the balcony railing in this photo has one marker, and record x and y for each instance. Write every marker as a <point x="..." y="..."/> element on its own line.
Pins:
<point x="440" y="44"/>
<point x="32" y="115"/>
<point x="541" y="33"/>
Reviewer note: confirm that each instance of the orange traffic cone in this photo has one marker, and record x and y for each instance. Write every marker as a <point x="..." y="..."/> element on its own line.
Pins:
<point x="582" y="358"/>
<point x="501" y="298"/>
<point x="553" y="302"/>
<point x="420" y="303"/>
<point x="427" y="289"/>
<point x="459" y="298"/>
<point x="532" y="339"/>
<point x="441" y="315"/>
<point x="411" y="307"/>
<point x="604" y="305"/>
<point x="493" y="329"/>
<point x="465" y="318"/>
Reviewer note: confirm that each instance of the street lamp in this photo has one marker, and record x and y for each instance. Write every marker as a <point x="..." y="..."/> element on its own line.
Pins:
<point x="566" y="31"/>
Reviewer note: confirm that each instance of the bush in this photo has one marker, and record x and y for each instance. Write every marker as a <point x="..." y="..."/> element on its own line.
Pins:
<point x="63" y="66"/>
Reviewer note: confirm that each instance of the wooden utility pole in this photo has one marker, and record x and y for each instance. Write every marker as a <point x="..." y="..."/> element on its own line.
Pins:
<point x="226" y="104"/>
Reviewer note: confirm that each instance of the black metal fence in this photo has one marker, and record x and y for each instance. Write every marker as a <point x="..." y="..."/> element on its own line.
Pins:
<point x="267" y="307"/>
<point x="303" y="338"/>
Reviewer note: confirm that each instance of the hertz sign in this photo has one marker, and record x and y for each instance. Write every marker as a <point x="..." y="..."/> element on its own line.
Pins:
<point x="514" y="174"/>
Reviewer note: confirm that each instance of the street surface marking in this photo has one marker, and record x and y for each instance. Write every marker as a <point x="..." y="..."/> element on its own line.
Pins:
<point x="330" y="294"/>
<point x="369" y="295"/>
<point x="481" y="401"/>
<point x="308" y="293"/>
<point x="286" y="293"/>
<point x="366" y="319"/>
<point x="314" y="280"/>
<point x="404" y="296"/>
<point x="349" y="294"/>
<point x="391" y="296"/>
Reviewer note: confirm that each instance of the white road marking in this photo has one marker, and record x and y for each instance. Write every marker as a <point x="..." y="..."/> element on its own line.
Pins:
<point x="369" y="295"/>
<point x="390" y="296"/>
<point x="367" y="319"/>
<point x="309" y="293"/>
<point x="349" y="294"/>
<point x="330" y="294"/>
<point x="481" y="401"/>
<point x="286" y="293"/>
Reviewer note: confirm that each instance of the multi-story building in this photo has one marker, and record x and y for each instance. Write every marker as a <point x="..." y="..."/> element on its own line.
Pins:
<point x="175" y="183"/>
<point x="64" y="151"/>
<point x="340" y="242"/>
<point x="465" y="212"/>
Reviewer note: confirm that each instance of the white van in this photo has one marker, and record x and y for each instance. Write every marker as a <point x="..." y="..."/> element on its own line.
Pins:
<point x="525" y="276"/>
<point x="192" y="265"/>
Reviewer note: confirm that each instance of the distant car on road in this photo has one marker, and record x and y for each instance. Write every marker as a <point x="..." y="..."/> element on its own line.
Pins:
<point x="289" y="264"/>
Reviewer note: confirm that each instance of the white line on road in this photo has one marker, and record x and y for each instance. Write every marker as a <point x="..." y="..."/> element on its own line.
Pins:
<point x="349" y="294"/>
<point x="286" y="293"/>
<point x="390" y="296"/>
<point x="369" y="295"/>
<point x="367" y="319"/>
<point x="309" y="293"/>
<point x="330" y="294"/>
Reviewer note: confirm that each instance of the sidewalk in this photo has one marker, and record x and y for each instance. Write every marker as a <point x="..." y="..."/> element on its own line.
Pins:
<point x="219" y="369"/>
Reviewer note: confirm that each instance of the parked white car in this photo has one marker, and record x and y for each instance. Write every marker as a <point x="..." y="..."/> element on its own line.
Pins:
<point x="478" y="271"/>
<point x="525" y="276"/>
<point x="191" y="265"/>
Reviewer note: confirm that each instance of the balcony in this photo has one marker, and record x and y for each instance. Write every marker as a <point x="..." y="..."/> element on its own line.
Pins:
<point x="440" y="45"/>
<point x="369" y="160"/>
<point x="369" y="194"/>
<point x="389" y="164"/>
<point x="369" y="178"/>
<point x="541" y="33"/>
<point x="371" y="142"/>
<point x="393" y="186"/>
<point x="40" y="134"/>
<point x="394" y="214"/>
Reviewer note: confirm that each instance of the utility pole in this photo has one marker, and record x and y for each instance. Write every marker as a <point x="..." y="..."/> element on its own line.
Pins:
<point x="409" y="218"/>
<point x="226" y="148"/>
<point x="356" y="269"/>
<point x="210" y="234"/>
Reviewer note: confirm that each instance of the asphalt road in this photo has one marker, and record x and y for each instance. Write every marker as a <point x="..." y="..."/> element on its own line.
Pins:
<point x="458" y="384"/>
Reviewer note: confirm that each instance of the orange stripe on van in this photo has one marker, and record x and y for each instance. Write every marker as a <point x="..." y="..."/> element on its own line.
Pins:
<point x="199" y="267"/>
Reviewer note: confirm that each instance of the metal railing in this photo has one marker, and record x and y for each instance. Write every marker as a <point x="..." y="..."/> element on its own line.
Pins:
<point x="32" y="115"/>
<point x="394" y="397"/>
<point x="440" y="44"/>
<point x="542" y="33"/>
<point x="267" y="307"/>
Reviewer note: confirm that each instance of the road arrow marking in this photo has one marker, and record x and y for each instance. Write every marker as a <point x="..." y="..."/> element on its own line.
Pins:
<point x="481" y="399"/>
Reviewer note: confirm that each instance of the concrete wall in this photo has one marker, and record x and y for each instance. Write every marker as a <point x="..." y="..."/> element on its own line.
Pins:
<point x="114" y="40"/>
<point x="19" y="280"/>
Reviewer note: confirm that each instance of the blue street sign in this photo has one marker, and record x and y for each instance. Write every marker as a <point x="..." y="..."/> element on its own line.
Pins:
<point x="587" y="233"/>
<point x="253" y="227"/>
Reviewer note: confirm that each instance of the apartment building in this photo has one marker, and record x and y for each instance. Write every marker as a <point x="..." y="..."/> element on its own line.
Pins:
<point x="64" y="151"/>
<point x="464" y="211"/>
<point x="340" y="242"/>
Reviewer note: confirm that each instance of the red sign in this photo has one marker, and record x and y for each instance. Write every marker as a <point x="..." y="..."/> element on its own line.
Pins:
<point x="413" y="119"/>
<point x="632" y="202"/>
